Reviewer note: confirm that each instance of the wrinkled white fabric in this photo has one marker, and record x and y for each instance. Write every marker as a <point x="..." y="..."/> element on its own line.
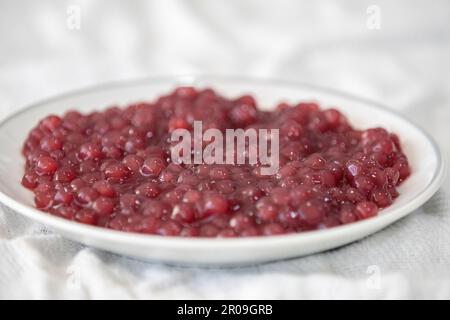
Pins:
<point x="405" y="64"/>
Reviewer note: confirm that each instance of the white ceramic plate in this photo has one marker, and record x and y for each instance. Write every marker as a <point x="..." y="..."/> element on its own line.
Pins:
<point x="428" y="170"/>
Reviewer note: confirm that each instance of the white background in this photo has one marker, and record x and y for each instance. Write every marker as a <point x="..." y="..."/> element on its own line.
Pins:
<point x="405" y="64"/>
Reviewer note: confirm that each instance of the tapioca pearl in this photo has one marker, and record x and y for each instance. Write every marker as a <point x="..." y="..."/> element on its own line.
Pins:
<point x="64" y="197"/>
<point x="353" y="168"/>
<point x="156" y="208"/>
<point x="251" y="193"/>
<point x="214" y="203"/>
<point x="152" y="167"/>
<point x="104" y="206"/>
<point x="381" y="197"/>
<point x="312" y="212"/>
<point x="30" y="180"/>
<point x="347" y="214"/>
<point x="364" y="185"/>
<point x="241" y="221"/>
<point x="209" y="230"/>
<point x="353" y="195"/>
<point x="88" y="166"/>
<point x="44" y="200"/>
<point x="51" y="144"/>
<point x="117" y="173"/>
<point x="280" y="196"/>
<point x="366" y="209"/>
<point x="104" y="188"/>
<point x="86" y="196"/>
<point x="86" y="216"/>
<point x="134" y="144"/>
<point x="148" y="189"/>
<point x="272" y="229"/>
<point x="51" y="123"/>
<point x="46" y="166"/>
<point x="393" y="176"/>
<point x="90" y="151"/>
<point x="169" y="228"/>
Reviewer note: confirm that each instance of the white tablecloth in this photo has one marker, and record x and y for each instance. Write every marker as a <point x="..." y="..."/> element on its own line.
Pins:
<point x="405" y="64"/>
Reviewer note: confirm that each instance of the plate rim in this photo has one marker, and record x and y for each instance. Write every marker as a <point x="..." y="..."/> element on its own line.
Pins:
<point x="383" y="220"/>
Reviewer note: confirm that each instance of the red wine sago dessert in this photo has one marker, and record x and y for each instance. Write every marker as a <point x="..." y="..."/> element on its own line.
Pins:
<point x="115" y="168"/>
